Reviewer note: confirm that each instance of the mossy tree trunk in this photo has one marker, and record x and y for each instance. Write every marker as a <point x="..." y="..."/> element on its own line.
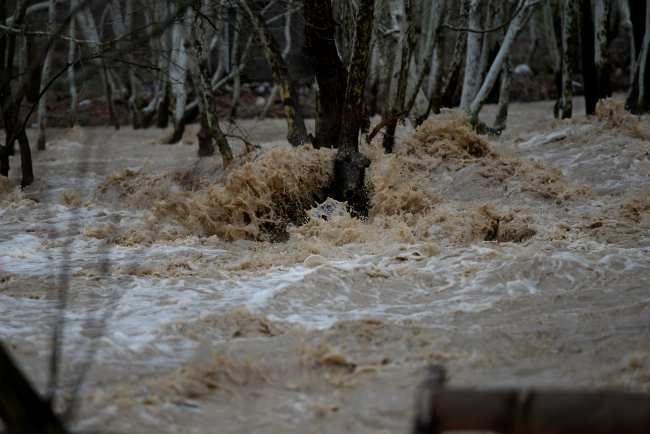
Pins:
<point x="297" y="134"/>
<point x="350" y="164"/>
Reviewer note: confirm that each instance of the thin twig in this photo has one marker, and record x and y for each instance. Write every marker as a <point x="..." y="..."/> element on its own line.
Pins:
<point x="385" y="122"/>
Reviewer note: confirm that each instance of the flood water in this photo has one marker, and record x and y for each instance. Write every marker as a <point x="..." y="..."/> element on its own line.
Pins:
<point x="212" y="300"/>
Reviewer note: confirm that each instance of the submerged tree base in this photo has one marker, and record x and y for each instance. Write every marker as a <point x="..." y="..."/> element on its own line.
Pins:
<point x="350" y="172"/>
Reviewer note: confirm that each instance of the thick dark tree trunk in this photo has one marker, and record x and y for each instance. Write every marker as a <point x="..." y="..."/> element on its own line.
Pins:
<point x="21" y="409"/>
<point x="331" y="75"/>
<point x="459" y="55"/>
<point x="350" y="164"/>
<point x="588" y="63"/>
<point x="11" y="103"/>
<point x="206" y="148"/>
<point x="34" y="86"/>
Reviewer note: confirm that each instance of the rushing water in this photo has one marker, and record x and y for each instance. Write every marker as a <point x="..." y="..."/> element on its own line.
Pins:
<point x="518" y="262"/>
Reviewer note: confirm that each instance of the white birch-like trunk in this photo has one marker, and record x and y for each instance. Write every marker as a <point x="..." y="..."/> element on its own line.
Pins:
<point x="417" y="98"/>
<point x="398" y="27"/>
<point x="626" y="23"/>
<point x="493" y="9"/>
<point x="136" y="84"/>
<point x="513" y="30"/>
<point x="567" y="57"/>
<point x="551" y="40"/>
<point x="601" y="10"/>
<point x="504" y="96"/>
<point x="89" y="30"/>
<point x="178" y="72"/>
<point x="45" y="76"/>
<point x="473" y="57"/>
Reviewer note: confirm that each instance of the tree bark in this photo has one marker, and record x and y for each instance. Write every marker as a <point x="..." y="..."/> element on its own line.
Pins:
<point x="71" y="79"/>
<point x="42" y="103"/>
<point x="567" y="58"/>
<point x="588" y="59"/>
<point x="473" y="58"/>
<point x="551" y="40"/>
<point x="210" y="110"/>
<point x="459" y="53"/>
<point x="236" y="93"/>
<point x="11" y="102"/>
<point x="178" y="75"/>
<point x="331" y="75"/>
<point x="504" y="96"/>
<point x="285" y="53"/>
<point x="534" y="42"/>
<point x="431" y="56"/>
<point x="350" y="164"/>
<point x="601" y="14"/>
<point x="644" y="85"/>
<point x="513" y="30"/>
<point x="297" y="134"/>
<point x="87" y="24"/>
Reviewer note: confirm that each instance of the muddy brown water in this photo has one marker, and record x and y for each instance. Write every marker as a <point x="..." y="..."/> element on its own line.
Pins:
<point x="517" y="262"/>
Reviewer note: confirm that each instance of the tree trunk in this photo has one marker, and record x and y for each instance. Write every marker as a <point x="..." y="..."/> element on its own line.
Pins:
<point x="285" y="53"/>
<point x="567" y="58"/>
<point x="408" y="43"/>
<point x="504" y="96"/>
<point x="350" y="164"/>
<point x="206" y="146"/>
<point x="513" y="30"/>
<point x="178" y="75"/>
<point x="603" y="67"/>
<point x="87" y="24"/>
<point x="642" y="76"/>
<point x="493" y="12"/>
<point x="551" y="40"/>
<point x="11" y="102"/>
<point x="331" y="75"/>
<point x="4" y="149"/>
<point x="459" y="53"/>
<point x="389" y="135"/>
<point x="472" y="62"/>
<point x="432" y="53"/>
<point x="236" y="93"/>
<point x="588" y="59"/>
<point x="297" y="134"/>
<point x="72" y="85"/>
<point x="45" y="76"/>
<point x="210" y="110"/>
<point x="534" y="42"/>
